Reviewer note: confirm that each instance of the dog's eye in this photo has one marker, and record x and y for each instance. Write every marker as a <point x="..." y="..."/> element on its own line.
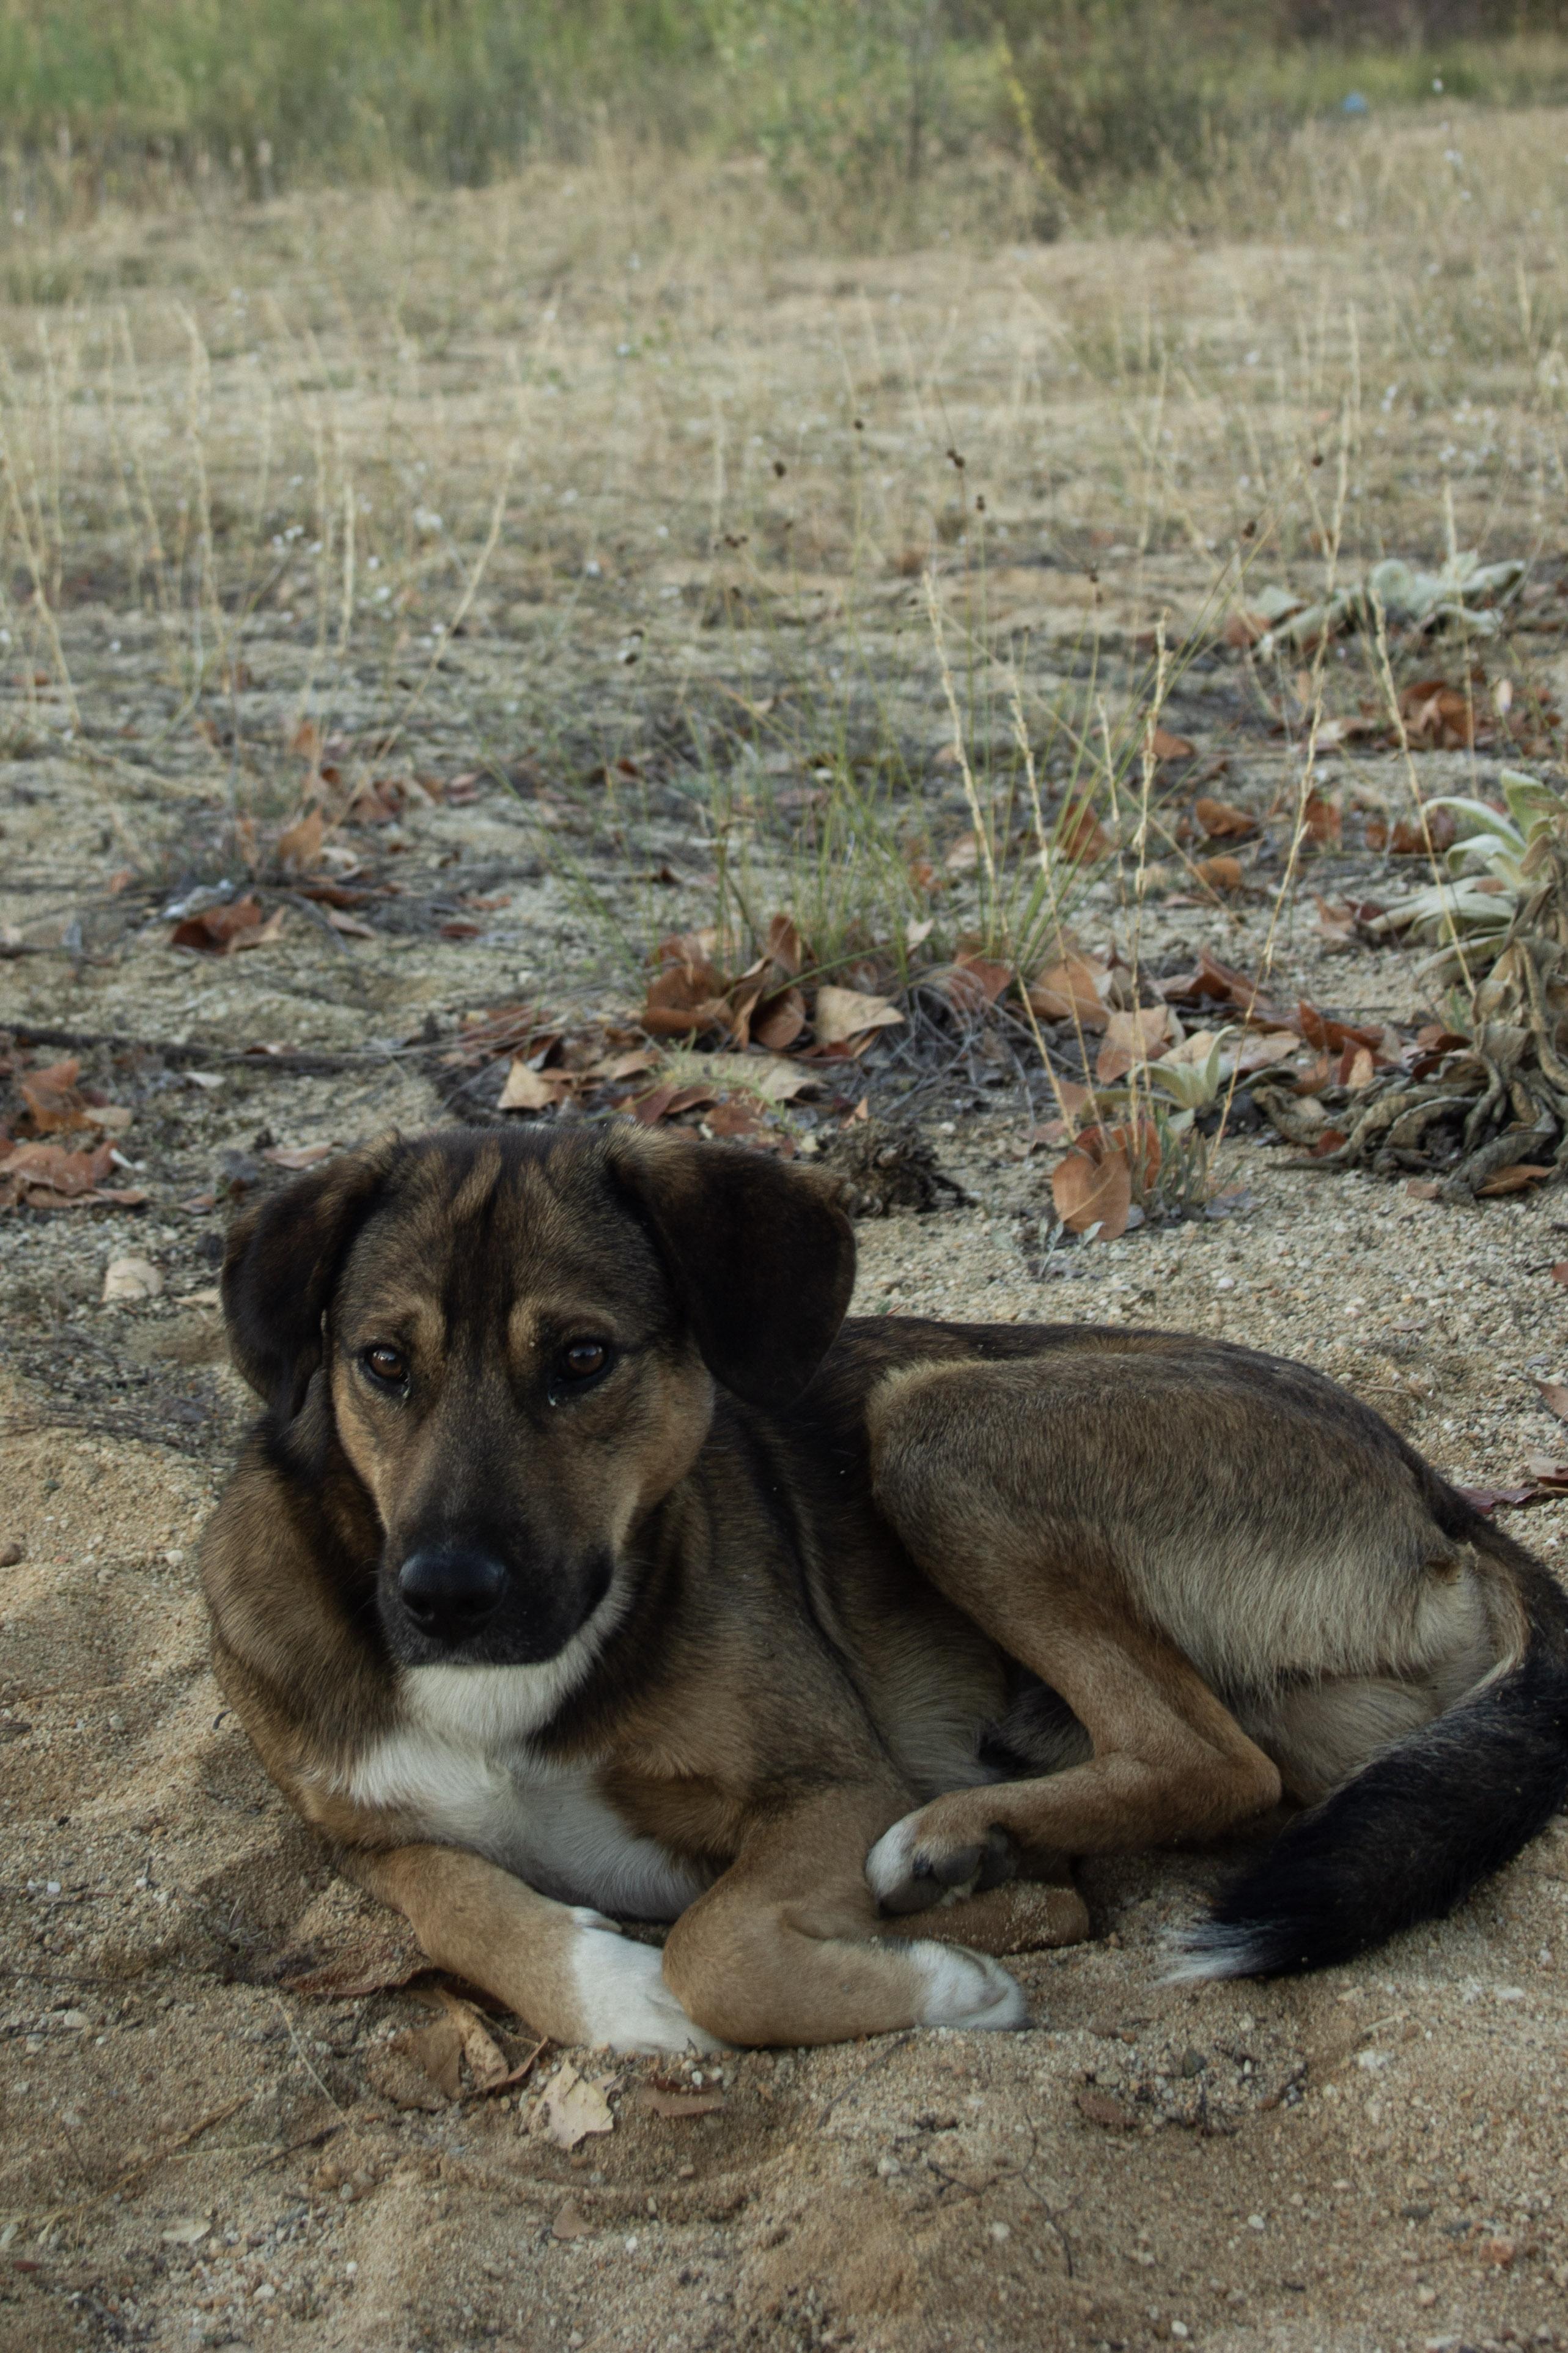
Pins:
<point x="385" y="1364"/>
<point x="583" y="1360"/>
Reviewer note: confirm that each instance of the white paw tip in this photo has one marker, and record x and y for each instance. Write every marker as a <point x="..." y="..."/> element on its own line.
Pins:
<point x="967" y="1990"/>
<point x="623" y="1999"/>
<point x="888" y="1865"/>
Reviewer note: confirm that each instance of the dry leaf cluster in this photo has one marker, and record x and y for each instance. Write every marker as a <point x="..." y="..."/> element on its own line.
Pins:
<point x="38" y="1174"/>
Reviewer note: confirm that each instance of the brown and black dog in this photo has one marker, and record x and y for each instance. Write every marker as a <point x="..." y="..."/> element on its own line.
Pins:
<point x="584" y="1557"/>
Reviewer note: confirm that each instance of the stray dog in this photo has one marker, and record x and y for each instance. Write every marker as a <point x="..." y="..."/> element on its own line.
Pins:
<point x="586" y="1561"/>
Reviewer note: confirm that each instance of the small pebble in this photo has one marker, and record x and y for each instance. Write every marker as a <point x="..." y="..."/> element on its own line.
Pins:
<point x="10" y="1554"/>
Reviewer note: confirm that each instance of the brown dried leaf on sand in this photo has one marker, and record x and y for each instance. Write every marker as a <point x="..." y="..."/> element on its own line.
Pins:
<point x="488" y="2062"/>
<point x="573" y="2106"/>
<point x="842" y="1014"/>
<point x="1092" y="1186"/>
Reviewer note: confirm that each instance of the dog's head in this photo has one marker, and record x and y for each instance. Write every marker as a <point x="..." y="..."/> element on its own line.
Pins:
<point x="513" y="1338"/>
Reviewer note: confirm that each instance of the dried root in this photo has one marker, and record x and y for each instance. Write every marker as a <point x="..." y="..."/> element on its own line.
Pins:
<point x="1497" y="1103"/>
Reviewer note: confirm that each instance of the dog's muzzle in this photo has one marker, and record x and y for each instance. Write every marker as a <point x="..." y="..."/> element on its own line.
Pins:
<point x="450" y="1591"/>
<point x="477" y="1604"/>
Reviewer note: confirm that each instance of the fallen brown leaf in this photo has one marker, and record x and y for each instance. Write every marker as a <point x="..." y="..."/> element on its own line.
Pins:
<point x="1438" y="717"/>
<point x="349" y="926"/>
<point x="1166" y="746"/>
<point x="1075" y="988"/>
<point x="1487" y="1499"/>
<point x="1080" y="837"/>
<point x="1330" y="1036"/>
<point x="571" y="2222"/>
<point x="779" y="1021"/>
<point x="1213" y="979"/>
<point x="687" y="1000"/>
<point x="1336" y="925"/>
<point x="677" y="2104"/>
<point x="437" y="2050"/>
<point x="739" y="1117"/>
<point x="53" y="1098"/>
<point x="842" y="1014"/>
<point x="1223" y="821"/>
<point x="1262" y="1053"/>
<point x="527" y="1088"/>
<point x="1092" y="1186"/>
<point x="297" y="1156"/>
<point x="974" y="982"/>
<point x="1322" y="822"/>
<point x="1221" y="873"/>
<point x="571" y="2108"/>
<point x="1135" y="1038"/>
<point x="488" y="2064"/>
<point x="611" y="1068"/>
<point x="300" y="844"/>
<point x="667" y="1101"/>
<point x="260" y="935"/>
<point x="1407" y="838"/>
<point x="1516" y="1179"/>
<point x="1554" y="1398"/>
<point x="215" y="931"/>
<point x="48" y="1177"/>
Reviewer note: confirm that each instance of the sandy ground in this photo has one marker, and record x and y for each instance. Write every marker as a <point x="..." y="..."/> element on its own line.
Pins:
<point x="201" y="2150"/>
<point x="198" y="2154"/>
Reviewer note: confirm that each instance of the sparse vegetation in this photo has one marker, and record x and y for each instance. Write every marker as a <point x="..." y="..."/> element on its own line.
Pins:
<point x="885" y="118"/>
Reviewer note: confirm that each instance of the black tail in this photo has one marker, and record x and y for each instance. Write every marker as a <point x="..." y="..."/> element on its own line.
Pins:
<point x="1412" y="1834"/>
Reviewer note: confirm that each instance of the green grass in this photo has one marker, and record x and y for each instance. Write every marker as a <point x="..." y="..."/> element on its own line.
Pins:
<point x="1014" y="111"/>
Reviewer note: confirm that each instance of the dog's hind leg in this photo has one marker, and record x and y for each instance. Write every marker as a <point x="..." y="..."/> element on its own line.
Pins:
<point x="1169" y="1762"/>
<point x="787" y="1947"/>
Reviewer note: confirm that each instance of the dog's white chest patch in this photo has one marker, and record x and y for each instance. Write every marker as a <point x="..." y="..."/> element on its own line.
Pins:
<point x="462" y="1763"/>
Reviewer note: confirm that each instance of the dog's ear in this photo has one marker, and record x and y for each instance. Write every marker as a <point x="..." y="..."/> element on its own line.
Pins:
<point x="761" y="1257"/>
<point x="280" y="1262"/>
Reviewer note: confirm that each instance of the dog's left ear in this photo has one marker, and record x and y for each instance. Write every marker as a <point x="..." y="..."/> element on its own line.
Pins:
<point x="280" y="1262"/>
<point x="761" y="1255"/>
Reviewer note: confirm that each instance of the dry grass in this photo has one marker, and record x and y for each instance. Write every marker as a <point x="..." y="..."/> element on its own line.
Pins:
<point x="592" y="480"/>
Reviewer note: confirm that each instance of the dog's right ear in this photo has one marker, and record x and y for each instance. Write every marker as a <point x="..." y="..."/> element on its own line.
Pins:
<point x="279" y="1264"/>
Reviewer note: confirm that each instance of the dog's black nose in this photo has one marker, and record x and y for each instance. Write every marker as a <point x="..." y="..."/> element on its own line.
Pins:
<point x="449" y="1591"/>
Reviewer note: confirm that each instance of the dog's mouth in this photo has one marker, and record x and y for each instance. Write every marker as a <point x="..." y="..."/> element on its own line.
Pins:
<point x="466" y="1603"/>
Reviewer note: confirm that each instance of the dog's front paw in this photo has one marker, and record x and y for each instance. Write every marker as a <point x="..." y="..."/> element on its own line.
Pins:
<point x="923" y="1861"/>
<point x="622" y="1997"/>
<point x="965" y="1988"/>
